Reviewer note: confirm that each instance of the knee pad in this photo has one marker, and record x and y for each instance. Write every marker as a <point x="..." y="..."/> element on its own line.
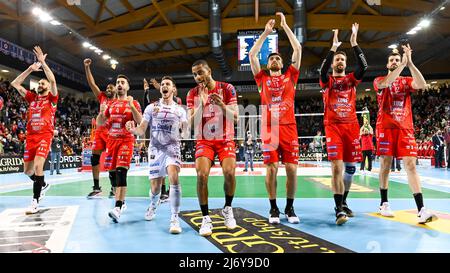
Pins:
<point x="350" y="170"/>
<point x="95" y="160"/>
<point x="121" y="177"/>
<point x="112" y="178"/>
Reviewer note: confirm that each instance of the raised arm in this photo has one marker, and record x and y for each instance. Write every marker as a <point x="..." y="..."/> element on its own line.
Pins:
<point x="101" y="118"/>
<point x="253" y="54"/>
<point x="137" y="115"/>
<point x="326" y="64"/>
<point x="17" y="82"/>
<point x="361" y="59"/>
<point x="139" y="130"/>
<point x="390" y="78"/>
<point x="90" y="78"/>
<point x="296" y="46"/>
<point x="418" y="79"/>
<point x="48" y="72"/>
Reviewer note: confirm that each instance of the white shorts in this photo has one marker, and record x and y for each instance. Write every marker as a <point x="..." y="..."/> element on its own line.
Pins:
<point x="158" y="161"/>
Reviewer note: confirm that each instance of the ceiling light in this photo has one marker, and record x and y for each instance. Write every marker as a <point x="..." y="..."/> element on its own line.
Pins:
<point x="36" y="11"/>
<point x="86" y="44"/>
<point x="93" y="48"/>
<point x="411" y="32"/>
<point x="55" y="23"/>
<point x="113" y="62"/>
<point x="45" y="17"/>
<point x="5" y="71"/>
<point x="106" y="57"/>
<point x="417" y="28"/>
<point x="393" y="46"/>
<point x="98" y="51"/>
<point x="424" y="23"/>
<point x="442" y="8"/>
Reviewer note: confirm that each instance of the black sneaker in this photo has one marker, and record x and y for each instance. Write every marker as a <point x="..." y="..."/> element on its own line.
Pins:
<point x="291" y="217"/>
<point x="96" y="193"/>
<point x="341" y="217"/>
<point x="274" y="217"/>
<point x="347" y="210"/>
<point x="112" y="192"/>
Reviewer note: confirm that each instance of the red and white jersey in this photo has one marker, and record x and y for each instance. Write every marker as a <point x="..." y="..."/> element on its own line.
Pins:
<point x="103" y="99"/>
<point x="278" y="96"/>
<point x="394" y="104"/>
<point x="339" y="99"/>
<point x="118" y="114"/>
<point x="41" y="113"/>
<point x="214" y="125"/>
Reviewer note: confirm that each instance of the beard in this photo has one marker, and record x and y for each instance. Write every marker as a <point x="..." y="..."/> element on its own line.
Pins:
<point x="339" y="69"/>
<point x="274" y="67"/>
<point x="392" y="67"/>
<point x="41" y="90"/>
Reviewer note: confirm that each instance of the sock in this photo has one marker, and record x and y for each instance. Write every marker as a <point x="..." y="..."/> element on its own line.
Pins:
<point x="96" y="184"/>
<point x="344" y="201"/>
<point x="289" y="203"/>
<point x="228" y="200"/>
<point x="36" y="190"/>
<point x="32" y="177"/>
<point x="119" y="203"/>
<point x="40" y="180"/>
<point x="273" y="203"/>
<point x="384" y="196"/>
<point x="175" y="198"/>
<point x="338" y="201"/>
<point x="204" y="209"/>
<point x="419" y="200"/>
<point x="154" y="198"/>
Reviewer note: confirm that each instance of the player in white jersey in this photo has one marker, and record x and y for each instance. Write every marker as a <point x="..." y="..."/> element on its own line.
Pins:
<point x="165" y="119"/>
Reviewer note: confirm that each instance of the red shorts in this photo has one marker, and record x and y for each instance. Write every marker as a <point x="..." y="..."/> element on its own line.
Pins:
<point x="37" y="145"/>
<point x="396" y="142"/>
<point x="343" y="142"/>
<point x="281" y="145"/>
<point x="100" y="140"/>
<point x="209" y="148"/>
<point x="118" y="153"/>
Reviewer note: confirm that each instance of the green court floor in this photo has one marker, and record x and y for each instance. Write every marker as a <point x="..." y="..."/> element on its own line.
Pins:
<point x="247" y="186"/>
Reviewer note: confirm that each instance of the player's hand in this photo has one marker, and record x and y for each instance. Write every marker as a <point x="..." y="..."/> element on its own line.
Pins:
<point x="203" y="93"/>
<point x="269" y="26"/>
<point x="217" y="100"/>
<point x="130" y="100"/>
<point x="39" y="54"/>
<point x="336" y="42"/>
<point x="354" y="35"/>
<point x="87" y="62"/>
<point x="130" y="126"/>
<point x="146" y="86"/>
<point x="36" y="66"/>
<point x="408" y="51"/>
<point x="283" y="19"/>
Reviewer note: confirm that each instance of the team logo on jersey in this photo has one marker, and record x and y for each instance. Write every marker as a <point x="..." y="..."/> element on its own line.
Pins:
<point x="268" y="82"/>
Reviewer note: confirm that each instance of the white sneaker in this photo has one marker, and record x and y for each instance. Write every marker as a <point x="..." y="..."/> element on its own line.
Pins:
<point x="206" y="228"/>
<point x="151" y="212"/>
<point x="44" y="190"/>
<point x="123" y="208"/>
<point x="385" y="210"/>
<point x="175" y="227"/>
<point x="227" y="213"/>
<point x="426" y="216"/>
<point x="274" y="216"/>
<point x="114" y="214"/>
<point x="33" y="208"/>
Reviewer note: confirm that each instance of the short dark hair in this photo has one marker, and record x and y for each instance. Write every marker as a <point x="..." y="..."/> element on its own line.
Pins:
<point x="45" y="79"/>
<point x="200" y="62"/>
<point x="123" y="77"/>
<point x="169" y="78"/>
<point x="340" y="52"/>
<point x="273" y="54"/>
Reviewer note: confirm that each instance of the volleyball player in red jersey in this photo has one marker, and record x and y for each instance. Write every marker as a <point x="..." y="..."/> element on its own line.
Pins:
<point x="340" y="121"/>
<point x="120" y="144"/>
<point x="395" y="131"/>
<point x="40" y="125"/>
<point x="279" y="128"/>
<point x="101" y="133"/>
<point x="212" y="108"/>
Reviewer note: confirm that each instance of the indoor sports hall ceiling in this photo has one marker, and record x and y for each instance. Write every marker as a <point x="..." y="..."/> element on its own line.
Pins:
<point x="150" y="37"/>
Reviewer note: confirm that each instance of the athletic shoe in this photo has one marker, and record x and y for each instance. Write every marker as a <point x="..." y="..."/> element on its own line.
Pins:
<point x="291" y="217"/>
<point x="385" y="210"/>
<point x="123" y="208"/>
<point x="347" y="211"/>
<point x="206" y="227"/>
<point x="341" y="217"/>
<point x="114" y="214"/>
<point x="164" y="198"/>
<point x="151" y="212"/>
<point x="227" y="213"/>
<point x="112" y="193"/>
<point x="44" y="190"/>
<point x="426" y="216"/>
<point x="245" y="170"/>
<point x="274" y="217"/>
<point x="175" y="227"/>
<point x="96" y="193"/>
<point x="33" y="208"/>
